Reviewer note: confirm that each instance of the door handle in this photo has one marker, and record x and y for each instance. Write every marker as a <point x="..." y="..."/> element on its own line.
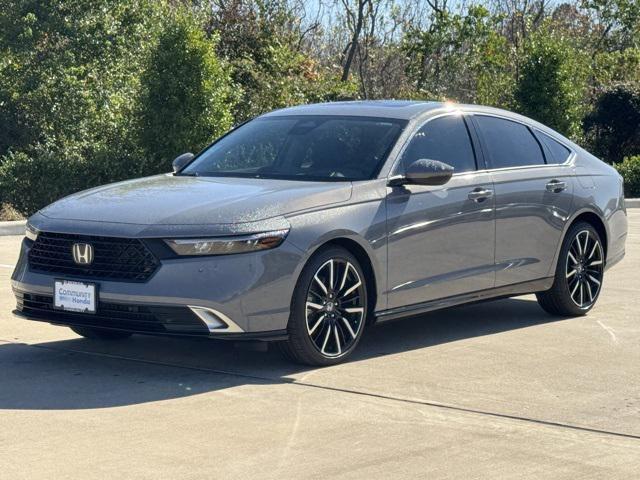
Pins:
<point x="556" y="186"/>
<point x="480" y="194"/>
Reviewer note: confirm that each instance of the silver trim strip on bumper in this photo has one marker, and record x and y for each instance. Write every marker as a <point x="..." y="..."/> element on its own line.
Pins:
<point x="215" y="321"/>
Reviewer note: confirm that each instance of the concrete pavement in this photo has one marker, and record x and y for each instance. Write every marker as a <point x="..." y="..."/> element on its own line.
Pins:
<point x="496" y="390"/>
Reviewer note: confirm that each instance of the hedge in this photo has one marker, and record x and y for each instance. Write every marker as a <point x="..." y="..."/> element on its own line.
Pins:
<point x="630" y="171"/>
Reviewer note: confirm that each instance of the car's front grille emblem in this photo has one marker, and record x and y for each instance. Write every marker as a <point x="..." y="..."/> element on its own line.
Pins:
<point x="82" y="253"/>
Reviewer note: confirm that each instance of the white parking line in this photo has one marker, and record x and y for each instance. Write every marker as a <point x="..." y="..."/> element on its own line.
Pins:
<point x="2" y="265"/>
<point x="609" y="330"/>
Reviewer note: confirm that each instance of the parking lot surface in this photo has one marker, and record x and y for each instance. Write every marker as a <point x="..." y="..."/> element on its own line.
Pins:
<point x="494" y="390"/>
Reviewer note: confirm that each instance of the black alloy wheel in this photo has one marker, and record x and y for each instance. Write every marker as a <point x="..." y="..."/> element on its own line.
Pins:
<point x="329" y="309"/>
<point x="579" y="273"/>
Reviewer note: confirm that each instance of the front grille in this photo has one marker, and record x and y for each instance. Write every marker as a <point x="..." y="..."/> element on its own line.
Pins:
<point x="125" y="259"/>
<point x="136" y="318"/>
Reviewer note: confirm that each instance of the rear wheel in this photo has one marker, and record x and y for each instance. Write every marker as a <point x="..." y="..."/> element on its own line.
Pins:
<point x="328" y="310"/>
<point x="579" y="273"/>
<point x="100" y="334"/>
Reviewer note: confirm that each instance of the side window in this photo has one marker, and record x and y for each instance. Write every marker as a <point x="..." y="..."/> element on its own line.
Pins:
<point x="445" y="139"/>
<point x="559" y="153"/>
<point x="509" y="144"/>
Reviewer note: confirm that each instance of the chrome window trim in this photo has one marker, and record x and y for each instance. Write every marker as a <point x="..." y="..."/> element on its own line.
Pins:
<point x="568" y="162"/>
<point x="571" y="151"/>
<point x="522" y="167"/>
<point x="434" y="114"/>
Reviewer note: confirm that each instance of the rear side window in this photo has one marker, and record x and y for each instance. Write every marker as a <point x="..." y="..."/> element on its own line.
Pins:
<point x="559" y="153"/>
<point x="509" y="144"/>
<point x="445" y="139"/>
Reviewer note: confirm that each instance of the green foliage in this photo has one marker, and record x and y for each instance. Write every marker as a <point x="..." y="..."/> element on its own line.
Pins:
<point x="31" y="180"/>
<point x="630" y="171"/>
<point x="488" y="58"/>
<point x="96" y="91"/>
<point x="621" y="20"/>
<point x="69" y="69"/>
<point x="551" y="86"/>
<point x="257" y="40"/>
<point x="93" y="92"/>
<point x="460" y="57"/>
<point x="283" y="77"/>
<point x="186" y="96"/>
<point x="68" y="74"/>
<point x="613" y="127"/>
<point x="620" y="66"/>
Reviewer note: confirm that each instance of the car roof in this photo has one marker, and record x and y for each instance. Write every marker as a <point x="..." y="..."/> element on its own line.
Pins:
<point x="403" y="110"/>
<point x="398" y="109"/>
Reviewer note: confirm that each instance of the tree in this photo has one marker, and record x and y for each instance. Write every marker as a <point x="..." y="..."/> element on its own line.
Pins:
<point x="619" y="22"/>
<point x="186" y="98"/>
<point x="92" y="92"/>
<point x="356" y="15"/>
<point x="630" y="171"/>
<point x="69" y="74"/>
<point x="68" y="70"/>
<point x="263" y="41"/>
<point x="613" y="127"/>
<point x="460" y="57"/>
<point x="552" y="83"/>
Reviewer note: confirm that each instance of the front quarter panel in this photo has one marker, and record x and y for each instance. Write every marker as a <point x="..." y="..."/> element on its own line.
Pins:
<point x="362" y="221"/>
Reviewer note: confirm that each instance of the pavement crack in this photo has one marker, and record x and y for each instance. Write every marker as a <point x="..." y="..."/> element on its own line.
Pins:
<point x="393" y="398"/>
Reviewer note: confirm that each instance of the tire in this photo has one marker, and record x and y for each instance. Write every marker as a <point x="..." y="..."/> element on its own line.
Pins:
<point x="579" y="273"/>
<point x="328" y="309"/>
<point x="100" y="334"/>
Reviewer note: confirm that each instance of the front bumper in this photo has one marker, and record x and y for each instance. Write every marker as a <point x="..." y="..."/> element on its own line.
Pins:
<point x="154" y="319"/>
<point x="242" y="296"/>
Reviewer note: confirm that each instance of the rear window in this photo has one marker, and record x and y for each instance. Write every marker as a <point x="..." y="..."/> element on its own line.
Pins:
<point x="557" y="153"/>
<point x="509" y="144"/>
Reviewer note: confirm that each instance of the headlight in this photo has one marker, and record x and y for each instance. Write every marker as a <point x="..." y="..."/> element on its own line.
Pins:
<point x="31" y="232"/>
<point x="228" y="245"/>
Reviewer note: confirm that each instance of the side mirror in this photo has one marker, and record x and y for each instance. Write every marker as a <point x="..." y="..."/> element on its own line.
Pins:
<point x="181" y="160"/>
<point x="425" y="172"/>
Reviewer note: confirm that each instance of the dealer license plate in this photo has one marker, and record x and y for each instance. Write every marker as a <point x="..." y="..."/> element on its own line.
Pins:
<point x="74" y="296"/>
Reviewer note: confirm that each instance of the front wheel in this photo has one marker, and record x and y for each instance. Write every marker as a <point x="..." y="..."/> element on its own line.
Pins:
<point x="328" y="309"/>
<point x="579" y="273"/>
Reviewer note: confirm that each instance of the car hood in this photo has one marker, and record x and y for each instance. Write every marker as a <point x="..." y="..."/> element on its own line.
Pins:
<point x="182" y="200"/>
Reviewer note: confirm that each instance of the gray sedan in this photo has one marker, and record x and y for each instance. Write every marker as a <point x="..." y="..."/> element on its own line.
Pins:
<point x="307" y="224"/>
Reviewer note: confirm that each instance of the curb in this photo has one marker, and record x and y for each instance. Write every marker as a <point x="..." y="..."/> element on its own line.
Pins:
<point x="12" y="228"/>
<point x="632" y="202"/>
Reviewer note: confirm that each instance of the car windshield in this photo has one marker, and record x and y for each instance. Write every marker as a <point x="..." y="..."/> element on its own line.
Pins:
<point x="318" y="148"/>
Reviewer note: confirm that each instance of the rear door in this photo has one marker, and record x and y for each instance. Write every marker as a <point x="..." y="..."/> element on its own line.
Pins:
<point x="533" y="195"/>
<point x="441" y="238"/>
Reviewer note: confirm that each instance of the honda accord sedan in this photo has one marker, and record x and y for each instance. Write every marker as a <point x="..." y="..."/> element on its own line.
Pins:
<point x="306" y="225"/>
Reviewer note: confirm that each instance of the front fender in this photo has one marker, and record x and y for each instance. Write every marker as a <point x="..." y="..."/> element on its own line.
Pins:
<point x="362" y="223"/>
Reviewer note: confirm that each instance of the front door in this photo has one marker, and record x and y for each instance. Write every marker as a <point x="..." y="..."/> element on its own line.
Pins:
<point x="441" y="238"/>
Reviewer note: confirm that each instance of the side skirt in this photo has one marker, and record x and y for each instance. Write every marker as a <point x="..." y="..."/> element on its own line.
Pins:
<point x="533" y="286"/>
